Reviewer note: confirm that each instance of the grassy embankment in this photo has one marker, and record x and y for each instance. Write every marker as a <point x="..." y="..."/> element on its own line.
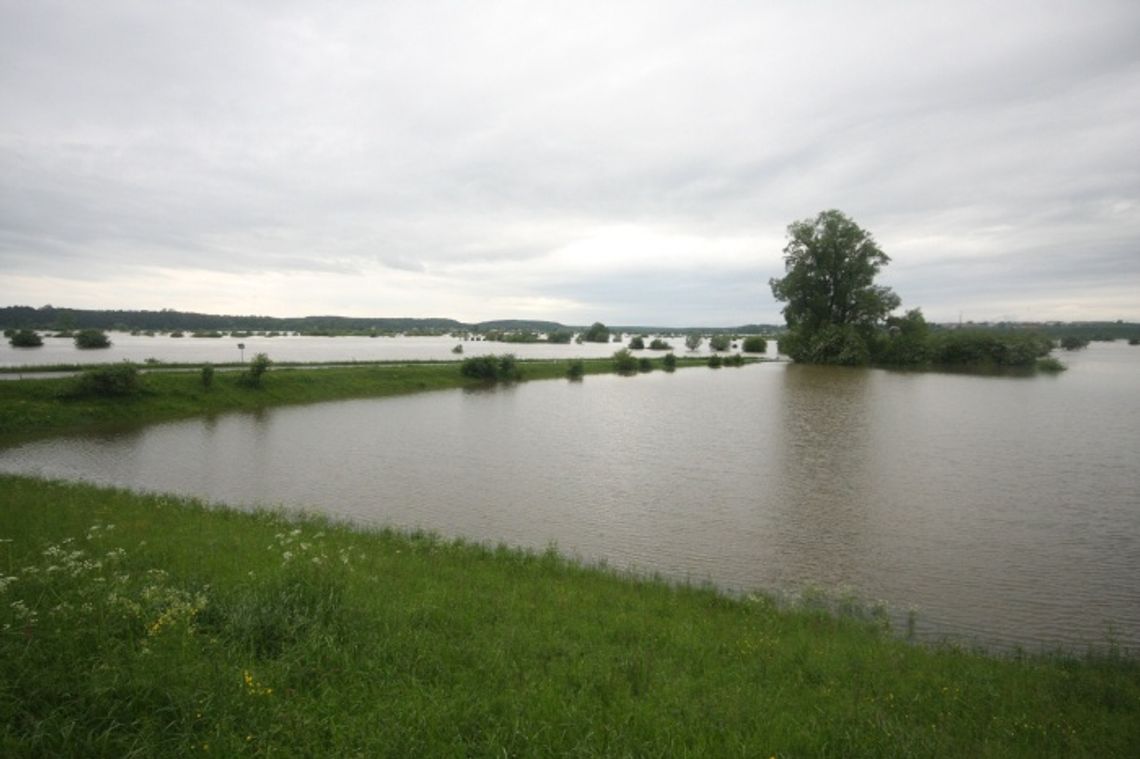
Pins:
<point x="47" y="406"/>
<point x="135" y="625"/>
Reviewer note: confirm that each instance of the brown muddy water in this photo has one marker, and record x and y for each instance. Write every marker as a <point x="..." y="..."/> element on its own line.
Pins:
<point x="1004" y="510"/>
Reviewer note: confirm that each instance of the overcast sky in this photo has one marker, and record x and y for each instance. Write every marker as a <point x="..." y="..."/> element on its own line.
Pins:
<point x="578" y="161"/>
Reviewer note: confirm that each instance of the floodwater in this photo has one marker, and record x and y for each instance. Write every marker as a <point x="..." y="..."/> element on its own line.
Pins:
<point x="139" y="348"/>
<point x="1004" y="510"/>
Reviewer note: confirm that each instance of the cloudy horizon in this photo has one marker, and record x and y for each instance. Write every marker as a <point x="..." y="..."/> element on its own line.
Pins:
<point x="634" y="163"/>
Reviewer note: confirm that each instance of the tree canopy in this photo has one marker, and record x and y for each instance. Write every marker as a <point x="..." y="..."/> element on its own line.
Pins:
<point x="833" y="304"/>
<point x="597" y="333"/>
<point x="91" y="338"/>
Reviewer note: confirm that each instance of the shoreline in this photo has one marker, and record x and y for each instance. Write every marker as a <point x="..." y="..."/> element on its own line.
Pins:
<point x="38" y="407"/>
<point x="261" y="631"/>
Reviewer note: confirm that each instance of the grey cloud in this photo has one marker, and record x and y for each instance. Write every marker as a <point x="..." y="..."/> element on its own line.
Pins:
<point x="425" y="137"/>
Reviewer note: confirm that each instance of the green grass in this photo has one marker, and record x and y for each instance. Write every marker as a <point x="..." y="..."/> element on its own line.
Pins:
<point x="139" y="625"/>
<point x="31" y="407"/>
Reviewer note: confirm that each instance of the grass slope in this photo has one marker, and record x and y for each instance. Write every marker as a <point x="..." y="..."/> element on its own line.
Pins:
<point x="136" y="625"/>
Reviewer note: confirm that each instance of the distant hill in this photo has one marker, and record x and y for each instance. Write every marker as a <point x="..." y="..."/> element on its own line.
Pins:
<point x="49" y="317"/>
<point x="518" y="325"/>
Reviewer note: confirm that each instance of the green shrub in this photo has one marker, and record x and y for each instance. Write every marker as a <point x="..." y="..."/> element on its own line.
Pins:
<point x="830" y="344"/>
<point x="597" y="333"/>
<point x="693" y="341"/>
<point x="735" y="359"/>
<point x="119" y="380"/>
<point x="660" y="345"/>
<point x="25" y="338"/>
<point x="715" y="361"/>
<point x="670" y="362"/>
<point x="625" y="362"/>
<point x="502" y="368"/>
<point x="576" y="369"/>
<point x="91" y="338"/>
<point x="720" y="342"/>
<point x="755" y="344"/>
<point x="1050" y="365"/>
<point x="637" y="343"/>
<point x="644" y="365"/>
<point x="1073" y="342"/>
<point x="480" y="367"/>
<point x="509" y="370"/>
<point x="987" y="348"/>
<point x="258" y="366"/>
<point x="207" y="376"/>
<point x="458" y="348"/>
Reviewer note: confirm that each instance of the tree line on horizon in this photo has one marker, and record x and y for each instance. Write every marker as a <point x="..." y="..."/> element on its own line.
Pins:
<point x="167" y="320"/>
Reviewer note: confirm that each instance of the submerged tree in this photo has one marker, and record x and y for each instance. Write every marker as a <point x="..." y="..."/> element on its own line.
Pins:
<point x="597" y="333"/>
<point x="25" y="338"/>
<point x="833" y="305"/>
<point x="91" y="338"/>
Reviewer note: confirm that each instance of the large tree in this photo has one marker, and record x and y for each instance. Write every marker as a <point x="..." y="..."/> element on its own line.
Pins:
<point x="833" y="304"/>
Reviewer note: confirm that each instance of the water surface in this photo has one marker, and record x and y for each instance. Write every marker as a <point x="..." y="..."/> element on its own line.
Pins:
<point x="139" y="348"/>
<point x="1006" y="510"/>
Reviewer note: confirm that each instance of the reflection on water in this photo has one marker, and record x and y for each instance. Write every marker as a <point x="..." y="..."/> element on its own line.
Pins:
<point x="1005" y="510"/>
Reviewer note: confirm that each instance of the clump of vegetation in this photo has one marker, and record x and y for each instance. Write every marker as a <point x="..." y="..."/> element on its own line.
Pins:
<point x="177" y="333"/>
<point x="1134" y="341"/>
<point x="560" y="336"/>
<point x="907" y="341"/>
<point x="576" y="369"/>
<point x="625" y="362"/>
<point x="207" y="376"/>
<point x="1050" y="365"/>
<point x="982" y="348"/>
<point x="735" y="359"/>
<point x="25" y="338"/>
<point x="458" y="348"/>
<point x="637" y="343"/>
<point x="755" y="344"/>
<point x="670" y="362"/>
<point x="117" y="381"/>
<point x="213" y="334"/>
<point x="258" y="366"/>
<point x="715" y="361"/>
<point x="512" y="336"/>
<point x="644" y="365"/>
<point x="693" y="341"/>
<point x="597" y="333"/>
<point x="502" y="368"/>
<point x="92" y="338"/>
<point x="833" y="306"/>
<point x="1074" y="342"/>
<point x="720" y="342"/>
<point x="836" y="314"/>
<point x="829" y="344"/>
<point x="657" y="344"/>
